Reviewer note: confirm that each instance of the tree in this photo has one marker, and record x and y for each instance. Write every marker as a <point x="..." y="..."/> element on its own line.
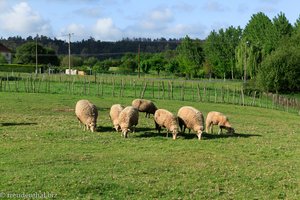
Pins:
<point x="129" y="63"/>
<point x="282" y="25"/>
<point x="75" y="61"/>
<point x="91" y="61"/>
<point x="2" y="59"/>
<point x="172" y="64"/>
<point x="220" y="51"/>
<point x="26" y="54"/>
<point x="259" y="39"/>
<point x="280" y="71"/>
<point x="157" y="63"/>
<point x="297" y="24"/>
<point x="190" y="56"/>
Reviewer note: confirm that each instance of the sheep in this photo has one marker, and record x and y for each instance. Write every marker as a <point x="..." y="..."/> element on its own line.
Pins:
<point x="114" y="113"/>
<point x="217" y="118"/>
<point x="164" y="118"/>
<point x="128" y="119"/>
<point x="144" y="105"/>
<point x="87" y="114"/>
<point x="191" y="118"/>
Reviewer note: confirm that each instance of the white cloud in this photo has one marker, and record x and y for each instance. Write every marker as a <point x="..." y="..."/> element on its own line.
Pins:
<point x="93" y="12"/>
<point x="21" y="19"/>
<point x="104" y="29"/>
<point x="162" y="15"/>
<point x="214" y="6"/>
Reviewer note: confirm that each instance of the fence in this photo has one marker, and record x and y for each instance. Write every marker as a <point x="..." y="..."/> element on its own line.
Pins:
<point x="104" y="86"/>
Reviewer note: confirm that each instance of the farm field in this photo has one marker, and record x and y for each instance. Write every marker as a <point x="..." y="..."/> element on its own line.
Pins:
<point x="43" y="150"/>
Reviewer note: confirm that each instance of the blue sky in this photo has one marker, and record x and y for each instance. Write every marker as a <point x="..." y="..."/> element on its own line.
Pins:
<point x="111" y="20"/>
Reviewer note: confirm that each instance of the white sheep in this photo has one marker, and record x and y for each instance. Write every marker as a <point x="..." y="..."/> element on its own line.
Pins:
<point x="217" y="118"/>
<point x="144" y="105"/>
<point x="164" y="118"/>
<point x="87" y="114"/>
<point x="114" y="113"/>
<point x="128" y="119"/>
<point x="191" y="118"/>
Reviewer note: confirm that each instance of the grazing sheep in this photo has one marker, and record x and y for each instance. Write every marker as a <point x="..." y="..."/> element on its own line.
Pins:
<point x="217" y="118"/>
<point x="114" y="113"/>
<point x="128" y="119"/>
<point x="164" y="118"/>
<point x="87" y="114"/>
<point x="144" y="105"/>
<point x="191" y="118"/>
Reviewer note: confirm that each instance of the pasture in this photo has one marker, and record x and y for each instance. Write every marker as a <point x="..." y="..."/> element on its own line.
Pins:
<point x="43" y="150"/>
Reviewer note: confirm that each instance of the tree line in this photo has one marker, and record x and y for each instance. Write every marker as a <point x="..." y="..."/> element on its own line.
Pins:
<point x="265" y="54"/>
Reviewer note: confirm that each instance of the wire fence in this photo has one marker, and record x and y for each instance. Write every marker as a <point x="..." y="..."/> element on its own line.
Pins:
<point x="149" y="88"/>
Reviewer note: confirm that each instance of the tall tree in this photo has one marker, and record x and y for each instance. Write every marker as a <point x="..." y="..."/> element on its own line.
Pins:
<point x="190" y="56"/>
<point x="26" y="54"/>
<point x="259" y="39"/>
<point x="282" y="25"/>
<point x="280" y="71"/>
<point x="220" y="50"/>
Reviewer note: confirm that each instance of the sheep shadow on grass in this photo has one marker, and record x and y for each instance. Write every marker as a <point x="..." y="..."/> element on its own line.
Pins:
<point x="18" y="124"/>
<point x="189" y="136"/>
<point x="209" y="136"/>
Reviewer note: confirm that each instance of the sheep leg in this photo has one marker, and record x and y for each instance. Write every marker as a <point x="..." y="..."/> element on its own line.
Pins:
<point x="174" y="136"/>
<point x="211" y="129"/>
<point x="199" y="136"/>
<point x="220" y="130"/>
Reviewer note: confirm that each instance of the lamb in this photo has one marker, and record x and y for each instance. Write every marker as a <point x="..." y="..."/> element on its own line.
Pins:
<point x="191" y="118"/>
<point x="114" y="113"/>
<point x="164" y="118"/>
<point x="144" y="105"/>
<point x="87" y="114"/>
<point x="217" y="118"/>
<point x="128" y="119"/>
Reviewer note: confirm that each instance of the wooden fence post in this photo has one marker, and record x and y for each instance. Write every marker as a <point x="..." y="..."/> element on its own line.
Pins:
<point x="198" y="92"/>
<point x="153" y="89"/>
<point x="243" y="98"/>
<point x="144" y="89"/>
<point x="182" y="91"/>
<point x="163" y="88"/>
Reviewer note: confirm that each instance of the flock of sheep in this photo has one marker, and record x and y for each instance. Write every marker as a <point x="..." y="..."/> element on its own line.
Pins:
<point x="125" y="119"/>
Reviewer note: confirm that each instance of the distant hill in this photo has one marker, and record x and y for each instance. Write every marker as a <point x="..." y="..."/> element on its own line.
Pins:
<point x="97" y="48"/>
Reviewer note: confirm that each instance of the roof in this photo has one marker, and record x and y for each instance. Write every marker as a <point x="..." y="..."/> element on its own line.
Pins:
<point x="4" y="48"/>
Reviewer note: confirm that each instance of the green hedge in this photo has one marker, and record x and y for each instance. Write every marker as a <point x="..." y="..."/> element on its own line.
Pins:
<point x="18" y="68"/>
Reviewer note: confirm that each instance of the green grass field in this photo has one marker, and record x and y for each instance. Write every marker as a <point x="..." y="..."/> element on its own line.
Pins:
<point x="43" y="150"/>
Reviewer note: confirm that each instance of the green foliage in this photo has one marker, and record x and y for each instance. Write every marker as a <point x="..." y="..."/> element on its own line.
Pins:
<point x="2" y="59"/>
<point x="18" y="68"/>
<point x="26" y="54"/>
<point x="220" y="51"/>
<point x="282" y="25"/>
<point x="190" y="56"/>
<point x="129" y="63"/>
<point x="103" y="66"/>
<point x="91" y="61"/>
<point x="157" y="63"/>
<point x="280" y="72"/>
<point x="75" y="61"/>
<point x="259" y="39"/>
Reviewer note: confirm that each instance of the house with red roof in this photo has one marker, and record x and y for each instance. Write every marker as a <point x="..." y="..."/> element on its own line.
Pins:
<point x="6" y="53"/>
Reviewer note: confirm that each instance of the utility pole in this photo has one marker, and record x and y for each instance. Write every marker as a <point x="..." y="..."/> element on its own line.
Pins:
<point x="139" y="67"/>
<point x="36" y="55"/>
<point x="70" y="34"/>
